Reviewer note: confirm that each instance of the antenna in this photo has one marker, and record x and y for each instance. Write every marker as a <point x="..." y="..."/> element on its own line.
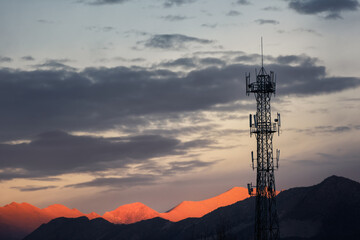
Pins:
<point x="252" y="160"/>
<point x="262" y="54"/>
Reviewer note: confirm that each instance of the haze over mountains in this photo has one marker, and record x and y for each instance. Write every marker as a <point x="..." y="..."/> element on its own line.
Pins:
<point x="326" y="211"/>
<point x="19" y="219"/>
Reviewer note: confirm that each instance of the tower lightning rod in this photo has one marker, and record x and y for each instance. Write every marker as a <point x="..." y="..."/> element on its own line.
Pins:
<point x="262" y="54"/>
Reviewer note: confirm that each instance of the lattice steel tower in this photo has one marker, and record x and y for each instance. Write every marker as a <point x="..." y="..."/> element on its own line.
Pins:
<point x="266" y="218"/>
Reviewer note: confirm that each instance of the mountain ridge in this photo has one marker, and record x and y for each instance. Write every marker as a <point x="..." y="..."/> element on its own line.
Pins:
<point x="305" y="213"/>
<point x="23" y="218"/>
<point x="198" y="209"/>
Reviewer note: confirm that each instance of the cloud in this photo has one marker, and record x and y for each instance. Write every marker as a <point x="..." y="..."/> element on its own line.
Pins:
<point x="27" y="58"/>
<point x="326" y="129"/>
<point x="170" y="3"/>
<point x="103" y="98"/>
<point x="32" y="188"/>
<point x="243" y="2"/>
<point x="332" y="8"/>
<point x="100" y="29"/>
<point x="186" y="166"/>
<point x="126" y="98"/>
<point x="55" y="64"/>
<point x="307" y="30"/>
<point x="54" y="153"/>
<point x="120" y="182"/>
<point x="122" y="59"/>
<point x="181" y="130"/>
<point x="295" y="59"/>
<point x="174" y="18"/>
<point x="266" y="21"/>
<point x="251" y="58"/>
<point x="157" y="172"/>
<point x="45" y="21"/>
<point x="271" y="8"/>
<point x="342" y="129"/>
<point x="5" y="59"/>
<point x="233" y="13"/>
<point x="46" y="179"/>
<point x="172" y="41"/>
<point x="104" y="2"/>
<point x="212" y="61"/>
<point x="180" y="62"/>
<point x="209" y="25"/>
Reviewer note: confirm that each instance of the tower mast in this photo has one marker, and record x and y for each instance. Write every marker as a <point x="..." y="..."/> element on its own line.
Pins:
<point x="266" y="218"/>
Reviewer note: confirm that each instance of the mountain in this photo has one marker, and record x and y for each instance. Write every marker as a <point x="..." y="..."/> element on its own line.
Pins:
<point x="19" y="219"/>
<point x="329" y="210"/>
<point x="198" y="209"/>
<point x="130" y="213"/>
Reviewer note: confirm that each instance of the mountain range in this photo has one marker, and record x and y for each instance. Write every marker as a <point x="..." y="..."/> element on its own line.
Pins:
<point x="19" y="219"/>
<point x="329" y="210"/>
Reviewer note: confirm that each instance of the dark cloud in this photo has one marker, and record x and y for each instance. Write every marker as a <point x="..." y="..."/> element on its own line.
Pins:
<point x="233" y="13"/>
<point x="172" y="41"/>
<point x="157" y="173"/>
<point x="127" y="97"/>
<point x="332" y="8"/>
<point x="266" y="21"/>
<point x="212" y="61"/>
<point x="180" y="62"/>
<point x="281" y="60"/>
<point x="251" y="58"/>
<point x="170" y="3"/>
<point x="326" y="129"/>
<point x="198" y="143"/>
<point x="174" y="18"/>
<point x="32" y="188"/>
<point x="295" y="59"/>
<point x="5" y="59"/>
<point x="27" y="58"/>
<point x="54" y="64"/>
<point x="342" y="129"/>
<point x="120" y="182"/>
<point x="104" y="2"/>
<point x="187" y="166"/>
<point x="243" y="2"/>
<point x="54" y="153"/>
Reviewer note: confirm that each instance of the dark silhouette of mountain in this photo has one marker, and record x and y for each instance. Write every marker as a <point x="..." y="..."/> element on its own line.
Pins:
<point x="329" y="210"/>
<point x="19" y="219"/>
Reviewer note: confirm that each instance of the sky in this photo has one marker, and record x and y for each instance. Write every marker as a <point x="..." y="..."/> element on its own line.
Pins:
<point x="109" y="102"/>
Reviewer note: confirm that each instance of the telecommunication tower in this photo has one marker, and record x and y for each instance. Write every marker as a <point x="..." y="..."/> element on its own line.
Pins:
<point x="261" y="125"/>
